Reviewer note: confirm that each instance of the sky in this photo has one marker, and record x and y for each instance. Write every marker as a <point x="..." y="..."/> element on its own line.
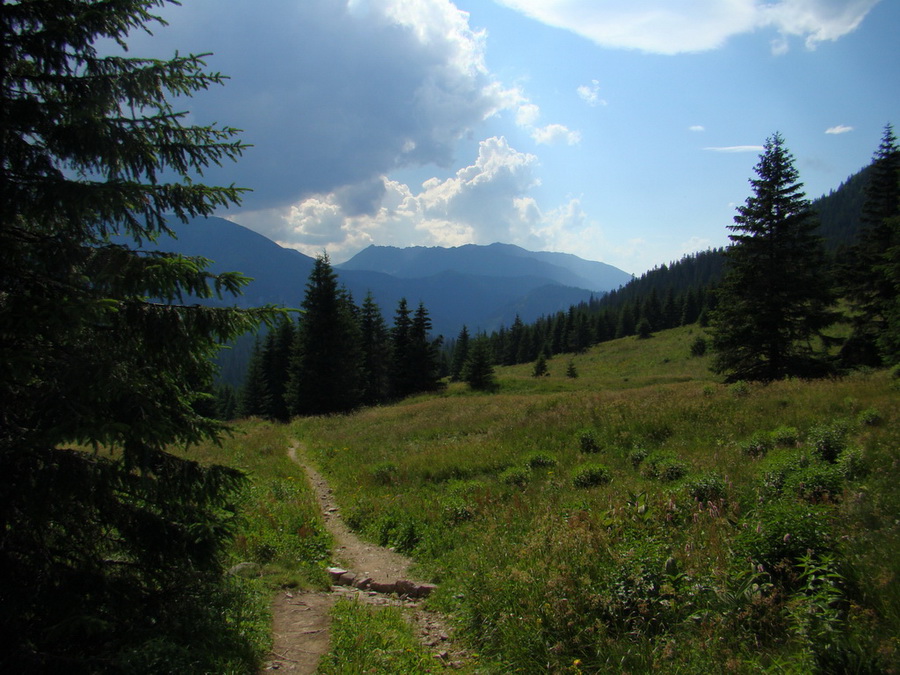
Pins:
<point x="623" y="131"/>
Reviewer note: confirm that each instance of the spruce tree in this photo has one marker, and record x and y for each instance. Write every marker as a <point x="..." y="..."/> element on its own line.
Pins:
<point x="254" y="400"/>
<point x="774" y="300"/>
<point x="478" y="371"/>
<point x="424" y="352"/>
<point x="276" y="368"/>
<point x="325" y="372"/>
<point x="103" y="555"/>
<point x="376" y="353"/>
<point x="870" y="287"/>
<point x="402" y="365"/>
<point x="460" y="354"/>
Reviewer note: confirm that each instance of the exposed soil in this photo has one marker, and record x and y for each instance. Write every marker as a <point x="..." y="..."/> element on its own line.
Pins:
<point x="301" y="620"/>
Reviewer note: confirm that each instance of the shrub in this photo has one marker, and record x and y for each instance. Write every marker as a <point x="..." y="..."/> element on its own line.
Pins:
<point x="516" y="475"/>
<point x="758" y="445"/>
<point x="817" y="482"/>
<point x="637" y="456"/>
<point x="739" y="389"/>
<point x="851" y="464"/>
<point x="698" y="346"/>
<point x="708" y="487"/>
<point x="591" y="475"/>
<point x="539" y="461"/>
<point x="829" y="440"/>
<point x="783" y="531"/>
<point x="664" y="467"/>
<point x="869" y="417"/>
<point x="785" y="436"/>
<point x="588" y="442"/>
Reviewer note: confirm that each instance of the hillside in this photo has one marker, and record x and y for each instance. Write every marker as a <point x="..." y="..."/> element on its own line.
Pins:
<point x="640" y="517"/>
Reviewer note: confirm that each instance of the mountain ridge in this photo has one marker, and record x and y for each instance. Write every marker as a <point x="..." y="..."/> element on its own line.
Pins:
<point x="483" y="287"/>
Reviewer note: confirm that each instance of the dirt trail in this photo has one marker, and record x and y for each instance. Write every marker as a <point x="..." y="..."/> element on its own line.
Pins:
<point x="301" y="620"/>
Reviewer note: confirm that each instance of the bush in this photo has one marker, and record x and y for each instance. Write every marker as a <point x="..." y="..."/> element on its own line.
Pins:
<point x="852" y="465"/>
<point x="869" y="417"/>
<point x="829" y="440"/>
<point x="739" y="389"/>
<point x="818" y="482"/>
<point x="591" y="475"/>
<point x="783" y="531"/>
<point x="698" y="346"/>
<point x="758" y="445"/>
<point x="539" y="461"/>
<point x="637" y="456"/>
<point x="708" y="487"/>
<point x="588" y="442"/>
<point x="664" y="467"/>
<point x="516" y="475"/>
<point x="785" y="437"/>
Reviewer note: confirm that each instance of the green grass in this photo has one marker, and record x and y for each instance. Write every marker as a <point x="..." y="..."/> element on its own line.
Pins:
<point x="282" y="528"/>
<point x="367" y="639"/>
<point x="638" y="573"/>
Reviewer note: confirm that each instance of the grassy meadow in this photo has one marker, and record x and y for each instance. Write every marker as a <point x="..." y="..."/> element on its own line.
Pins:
<point x="640" y="516"/>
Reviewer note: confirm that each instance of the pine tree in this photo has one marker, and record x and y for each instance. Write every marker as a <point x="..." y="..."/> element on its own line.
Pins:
<point x="376" y="350"/>
<point x="775" y="297"/>
<point x="102" y="555"/>
<point x="276" y="368"/>
<point x="478" y="371"/>
<point x="254" y="398"/>
<point x="402" y="374"/>
<point x="424" y="352"/>
<point x="460" y="355"/>
<point x="325" y="368"/>
<point x="870" y="288"/>
<point x="540" y="367"/>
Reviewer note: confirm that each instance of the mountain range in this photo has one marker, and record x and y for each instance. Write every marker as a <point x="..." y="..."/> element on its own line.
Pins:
<point x="482" y="287"/>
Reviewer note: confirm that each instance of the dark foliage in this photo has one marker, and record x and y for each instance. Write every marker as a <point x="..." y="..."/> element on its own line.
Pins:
<point x="101" y="558"/>
<point x="774" y="299"/>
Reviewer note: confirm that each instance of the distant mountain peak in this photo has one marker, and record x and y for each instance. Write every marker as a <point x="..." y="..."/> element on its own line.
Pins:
<point x="492" y="260"/>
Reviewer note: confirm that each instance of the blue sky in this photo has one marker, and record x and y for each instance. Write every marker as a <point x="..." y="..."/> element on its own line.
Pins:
<point x="623" y="131"/>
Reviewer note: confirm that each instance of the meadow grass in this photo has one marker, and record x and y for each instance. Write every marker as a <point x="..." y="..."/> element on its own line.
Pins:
<point x="368" y="639"/>
<point x="693" y="555"/>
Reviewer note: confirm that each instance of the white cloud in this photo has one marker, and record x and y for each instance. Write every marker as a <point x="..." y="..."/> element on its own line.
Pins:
<point x="839" y="129"/>
<point x="527" y="116"/>
<point x="675" y="26"/>
<point x="590" y="94"/>
<point x="489" y="200"/>
<point x="555" y="133"/>
<point x="737" y="148"/>
<point x="697" y="128"/>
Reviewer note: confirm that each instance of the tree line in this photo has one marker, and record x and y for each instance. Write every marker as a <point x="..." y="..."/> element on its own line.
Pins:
<point x="768" y="297"/>
<point x="337" y="356"/>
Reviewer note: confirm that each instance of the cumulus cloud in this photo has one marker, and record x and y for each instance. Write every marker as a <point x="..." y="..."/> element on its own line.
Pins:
<point x="527" y="115"/>
<point x="337" y="92"/>
<point x="839" y="129"/>
<point x="489" y="200"/>
<point x="590" y="94"/>
<point x="667" y="27"/>
<point x="555" y="133"/>
<point x="697" y="128"/>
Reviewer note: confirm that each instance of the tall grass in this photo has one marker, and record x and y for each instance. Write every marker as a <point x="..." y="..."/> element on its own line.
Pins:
<point x="691" y="556"/>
